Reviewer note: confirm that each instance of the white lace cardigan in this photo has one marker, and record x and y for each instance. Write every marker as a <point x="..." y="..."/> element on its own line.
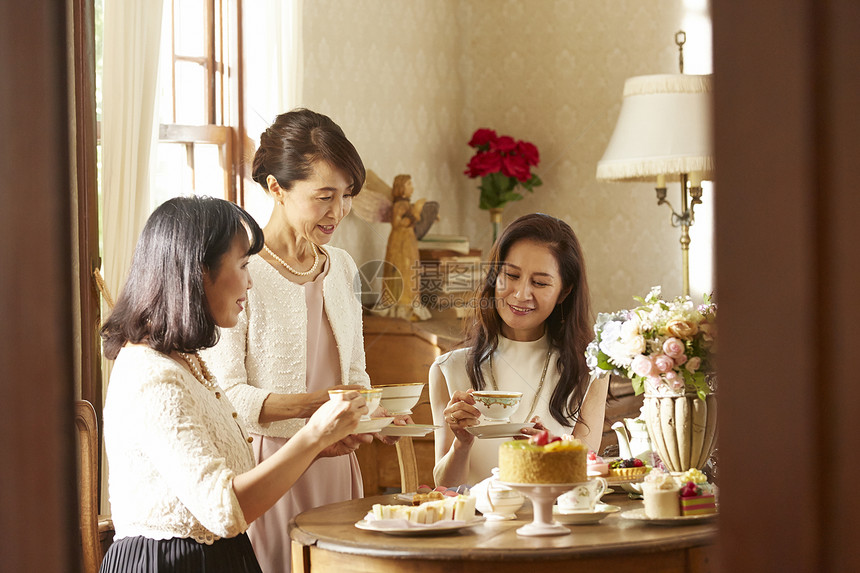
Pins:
<point x="173" y="450"/>
<point x="267" y="350"/>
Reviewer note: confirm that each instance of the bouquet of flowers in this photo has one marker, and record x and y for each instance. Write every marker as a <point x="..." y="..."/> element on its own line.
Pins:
<point x="665" y="346"/>
<point x="503" y="164"/>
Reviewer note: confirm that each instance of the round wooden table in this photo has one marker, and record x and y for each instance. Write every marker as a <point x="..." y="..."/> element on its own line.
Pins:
<point x="326" y="539"/>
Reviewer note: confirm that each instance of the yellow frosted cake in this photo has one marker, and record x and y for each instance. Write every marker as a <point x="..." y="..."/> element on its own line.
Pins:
<point x="559" y="461"/>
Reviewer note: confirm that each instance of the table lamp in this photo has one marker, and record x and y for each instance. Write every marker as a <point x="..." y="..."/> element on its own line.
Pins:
<point x="663" y="134"/>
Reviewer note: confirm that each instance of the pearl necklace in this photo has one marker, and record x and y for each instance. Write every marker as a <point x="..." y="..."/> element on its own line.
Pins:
<point x="291" y="269"/>
<point x="201" y="372"/>
<point x="205" y="377"/>
<point x="540" y="384"/>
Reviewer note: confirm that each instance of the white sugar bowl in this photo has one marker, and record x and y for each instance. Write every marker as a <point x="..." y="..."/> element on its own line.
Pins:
<point x="496" y="501"/>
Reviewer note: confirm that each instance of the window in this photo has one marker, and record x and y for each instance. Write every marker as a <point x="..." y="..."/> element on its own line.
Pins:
<point x="200" y="97"/>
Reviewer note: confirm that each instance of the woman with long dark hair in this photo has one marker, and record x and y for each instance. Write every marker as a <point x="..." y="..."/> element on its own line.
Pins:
<point x="182" y="479"/>
<point x="529" y="330"/>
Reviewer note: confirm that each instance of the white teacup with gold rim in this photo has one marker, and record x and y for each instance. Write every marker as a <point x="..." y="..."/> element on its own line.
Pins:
<point x="371" y="398"/>
<point x="399" y="399"/>
<point x="497" y="405"/>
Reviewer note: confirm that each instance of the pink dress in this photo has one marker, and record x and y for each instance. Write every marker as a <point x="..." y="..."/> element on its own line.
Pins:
<point x="327" y="480"/>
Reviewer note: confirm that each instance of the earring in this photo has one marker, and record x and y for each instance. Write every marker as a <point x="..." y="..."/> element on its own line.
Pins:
<point x="561" y="312"/>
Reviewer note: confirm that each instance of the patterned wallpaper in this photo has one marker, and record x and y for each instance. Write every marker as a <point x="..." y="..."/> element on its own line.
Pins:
<point x="409" y="81"/>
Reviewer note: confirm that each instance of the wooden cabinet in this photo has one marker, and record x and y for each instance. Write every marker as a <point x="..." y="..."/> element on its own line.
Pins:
<point x="399" y="352"/>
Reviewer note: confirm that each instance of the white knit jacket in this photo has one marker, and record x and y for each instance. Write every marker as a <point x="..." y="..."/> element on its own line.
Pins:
<point x="266" y="351"/>
<point x="173" y="449"/>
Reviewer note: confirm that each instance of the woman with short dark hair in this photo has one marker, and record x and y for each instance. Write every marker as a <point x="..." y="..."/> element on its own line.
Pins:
<point x="528" y="332"/>
<point x="182" y="479"/>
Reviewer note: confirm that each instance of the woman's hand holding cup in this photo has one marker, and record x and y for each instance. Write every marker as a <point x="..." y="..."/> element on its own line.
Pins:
<point x="460" y="413"/>
<point x="338" y="417"/>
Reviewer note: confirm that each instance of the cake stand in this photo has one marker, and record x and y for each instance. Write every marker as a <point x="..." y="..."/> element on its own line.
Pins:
<point x="542" y="495"/>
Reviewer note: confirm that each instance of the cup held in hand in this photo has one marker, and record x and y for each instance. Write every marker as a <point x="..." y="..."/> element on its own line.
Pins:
<point x="399" y="399"/>
<point x="372" y="396"/>
<point x="497" y="405"/>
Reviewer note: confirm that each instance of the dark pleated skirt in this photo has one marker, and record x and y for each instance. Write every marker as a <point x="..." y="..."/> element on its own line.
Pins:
<point x="144" y="555"/>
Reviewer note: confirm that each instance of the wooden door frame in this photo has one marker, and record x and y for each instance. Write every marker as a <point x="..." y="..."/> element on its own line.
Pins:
<point x="39" y="518"/>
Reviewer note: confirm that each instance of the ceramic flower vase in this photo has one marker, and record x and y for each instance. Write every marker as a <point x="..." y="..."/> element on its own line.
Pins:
<point x="683" y="429"/>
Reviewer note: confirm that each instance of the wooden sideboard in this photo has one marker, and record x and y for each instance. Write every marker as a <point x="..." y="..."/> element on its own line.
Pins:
<point x="399" y="352"/>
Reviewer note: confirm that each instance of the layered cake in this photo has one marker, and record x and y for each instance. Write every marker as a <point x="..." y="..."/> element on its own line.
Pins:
<point x="542" y="459"/>
<point x="459" y="508"/>
<point x="661" y="495"/>
<point x="695" y="501"/>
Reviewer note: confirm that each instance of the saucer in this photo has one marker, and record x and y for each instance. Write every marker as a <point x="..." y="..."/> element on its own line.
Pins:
<point x="601" y="510"/>
<point x="639" y="515"/>
<point x="499" y="430"/>
<point x="372" y="425"/>
<point x="409" y="430"/>
<point x="413" y="529"/>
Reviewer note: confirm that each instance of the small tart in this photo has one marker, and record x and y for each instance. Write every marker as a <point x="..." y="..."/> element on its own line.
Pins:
<point x="628" y="472"/>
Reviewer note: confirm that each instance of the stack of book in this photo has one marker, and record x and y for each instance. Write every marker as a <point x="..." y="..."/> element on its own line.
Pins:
<point x="450" y="273"/>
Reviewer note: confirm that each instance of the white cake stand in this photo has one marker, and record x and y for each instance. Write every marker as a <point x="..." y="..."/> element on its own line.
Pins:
<point x="542" y="495"/>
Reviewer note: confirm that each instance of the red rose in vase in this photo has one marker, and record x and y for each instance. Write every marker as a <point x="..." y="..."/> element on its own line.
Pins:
<point x="503" y="164"/>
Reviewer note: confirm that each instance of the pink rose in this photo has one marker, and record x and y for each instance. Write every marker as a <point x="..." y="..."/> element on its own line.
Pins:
<point x="675" y="381"/>
<point x="680" y="360"/>
<point x="515" y="166"/>
<point x="529" y="151"/>
<point x="654" y="383"/>
<point x="484" y="163"/>
<point x="482" y="136"/>
<point x="693" y="364"/>
<point x="664" y="363"/>
<point x="673" y="347"/>
<point x="505" y="144"/>
<point x="642" y="366"/>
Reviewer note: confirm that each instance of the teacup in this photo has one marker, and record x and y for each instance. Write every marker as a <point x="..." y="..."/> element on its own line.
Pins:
<point x="399" y="399"/>
<point x="497" y="405"/>
<point x="584" y="497"/>
<point x="371" y="398"/>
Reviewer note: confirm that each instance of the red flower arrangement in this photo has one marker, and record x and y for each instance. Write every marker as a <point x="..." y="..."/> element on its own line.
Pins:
<point x="503" y="164"/>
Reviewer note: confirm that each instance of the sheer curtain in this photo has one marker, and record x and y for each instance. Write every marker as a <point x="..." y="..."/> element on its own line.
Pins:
<point x="273" y="76"/>
<point x="132" y="36"/>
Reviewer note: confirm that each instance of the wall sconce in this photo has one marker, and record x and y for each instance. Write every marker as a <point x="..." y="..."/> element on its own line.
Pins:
<point x="663" y="134"/>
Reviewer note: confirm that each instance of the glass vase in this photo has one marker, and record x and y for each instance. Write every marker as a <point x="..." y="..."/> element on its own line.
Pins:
<point x="496" y="222"/>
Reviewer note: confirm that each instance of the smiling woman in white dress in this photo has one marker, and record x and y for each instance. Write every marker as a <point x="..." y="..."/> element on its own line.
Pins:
<point x="529" y="330"/>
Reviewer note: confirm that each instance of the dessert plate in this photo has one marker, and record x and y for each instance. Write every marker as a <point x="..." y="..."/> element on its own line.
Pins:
<point x="409" y="430"/>
<point x="601" y="510"/>
<point x="499" y="430"/>
<point x="639" y="515"/>
<point x="438" y="528"/>
<point x="372" y="425"/>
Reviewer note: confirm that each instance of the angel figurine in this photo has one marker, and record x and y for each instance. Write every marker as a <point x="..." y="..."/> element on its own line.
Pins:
<point x="409" y="222"/>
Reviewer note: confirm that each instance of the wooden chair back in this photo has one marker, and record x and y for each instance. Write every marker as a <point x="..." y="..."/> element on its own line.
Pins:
<point x="86" y="425"/>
